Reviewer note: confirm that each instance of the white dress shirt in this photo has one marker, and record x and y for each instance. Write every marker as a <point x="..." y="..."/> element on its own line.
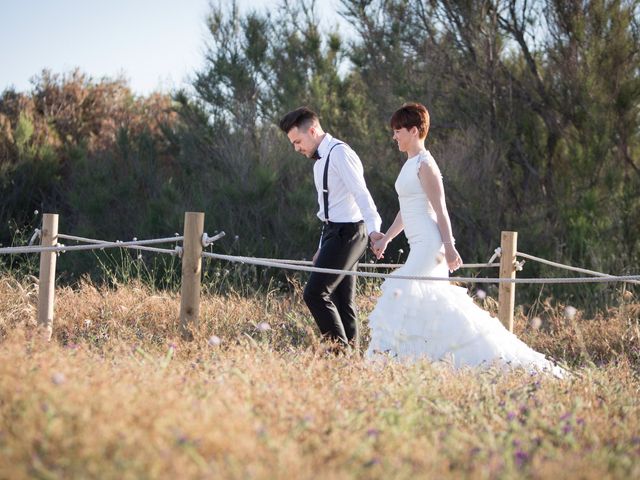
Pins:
<point x="349" y="198"/>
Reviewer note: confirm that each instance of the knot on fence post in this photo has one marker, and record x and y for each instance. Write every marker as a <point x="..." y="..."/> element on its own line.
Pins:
<point x="35" y="236"/>
<point x="207" y="240"/>
<point x="496" y="253"/>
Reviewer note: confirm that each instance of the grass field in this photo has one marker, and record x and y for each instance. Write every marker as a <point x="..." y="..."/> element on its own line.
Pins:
<point x="117" y="394"/>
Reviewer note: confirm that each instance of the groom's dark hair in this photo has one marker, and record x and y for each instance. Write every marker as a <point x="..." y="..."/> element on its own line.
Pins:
<point x="300" y="117"/>
<point x="411" y="115"/>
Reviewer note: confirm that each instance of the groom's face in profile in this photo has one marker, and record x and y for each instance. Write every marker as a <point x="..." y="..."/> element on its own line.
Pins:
<point x="304" y="139"/>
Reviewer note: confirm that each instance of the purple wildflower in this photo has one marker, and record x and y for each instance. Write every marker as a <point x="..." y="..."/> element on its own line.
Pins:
<point x="373" y="432"/>
<point x="372" y="462"/>
<point x="521" y="457"/>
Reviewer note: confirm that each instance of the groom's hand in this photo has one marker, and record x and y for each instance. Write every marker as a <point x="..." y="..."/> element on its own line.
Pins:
<point x="376" y="240"/>
<point x="315" y="256"/>
<point x="374" y="237"/>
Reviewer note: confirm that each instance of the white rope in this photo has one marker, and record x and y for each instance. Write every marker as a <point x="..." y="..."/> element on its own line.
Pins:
<point x="303" y="265"/>
<point x="496" y="253"/>
<point x="207" y="240"/>
<point x="116" y="244"/>
<point x="304" y="268"/>
<point x="369" y="265"/>
<point x="36" y="235"/>
<point x="566" y="267"/>
<point x="94" y="241"/>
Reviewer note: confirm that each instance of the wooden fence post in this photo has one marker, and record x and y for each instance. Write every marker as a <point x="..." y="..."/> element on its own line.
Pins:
<point x="191" y="272"/>
<point x="507" y="291"/>
<point x="47" y="284"/>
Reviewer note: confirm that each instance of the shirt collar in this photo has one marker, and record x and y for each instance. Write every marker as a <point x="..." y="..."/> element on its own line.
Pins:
<point x="323" y="148"/>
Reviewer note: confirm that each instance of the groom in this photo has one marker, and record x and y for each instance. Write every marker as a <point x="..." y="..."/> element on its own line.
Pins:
<point x="348" y="215"/>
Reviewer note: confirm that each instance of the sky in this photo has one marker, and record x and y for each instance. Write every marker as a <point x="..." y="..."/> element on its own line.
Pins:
<point x="154" y="44"/>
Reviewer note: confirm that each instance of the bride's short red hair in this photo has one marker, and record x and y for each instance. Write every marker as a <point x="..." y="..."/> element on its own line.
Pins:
<point x="410" y="115"/>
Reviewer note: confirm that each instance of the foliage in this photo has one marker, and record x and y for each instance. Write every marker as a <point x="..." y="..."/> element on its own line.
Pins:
<point x="535" y="110"/>
<point x="118" y="394"/>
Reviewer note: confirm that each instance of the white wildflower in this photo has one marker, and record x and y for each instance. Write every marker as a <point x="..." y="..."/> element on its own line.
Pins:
<point x="536" y="322"/>
<point x="263" y="327"/>
<point x="570" y="312"/>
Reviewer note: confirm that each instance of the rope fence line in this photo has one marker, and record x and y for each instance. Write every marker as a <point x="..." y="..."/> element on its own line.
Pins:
<point x="306" y="265"/>
<point x="195" y="240"/>
<point x="305" y="268"/>
<point x="568" y="267"/>
<point x="367" y="265"/>
<point x="175" y="251"/>
<point x="91" y="246"/>
<point x="95" y="244"/>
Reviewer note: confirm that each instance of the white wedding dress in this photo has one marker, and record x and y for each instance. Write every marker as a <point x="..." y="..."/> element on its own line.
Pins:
<point x="416" y="319"/>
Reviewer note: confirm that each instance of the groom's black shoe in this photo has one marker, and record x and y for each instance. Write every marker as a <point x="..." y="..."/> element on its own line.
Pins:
<point x="336" y="348"/>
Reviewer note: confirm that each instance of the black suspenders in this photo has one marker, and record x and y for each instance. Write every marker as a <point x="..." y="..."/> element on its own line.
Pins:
<point x="325" y="184"/>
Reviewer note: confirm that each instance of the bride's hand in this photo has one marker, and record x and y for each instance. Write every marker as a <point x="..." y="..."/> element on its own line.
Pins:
<point x="454" y="261"/>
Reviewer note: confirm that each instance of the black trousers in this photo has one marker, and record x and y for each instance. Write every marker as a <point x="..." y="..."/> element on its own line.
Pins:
<point x="330" y="297"/>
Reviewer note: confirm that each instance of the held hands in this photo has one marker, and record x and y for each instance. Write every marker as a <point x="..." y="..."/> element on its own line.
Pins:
<point x="378" y="244"/>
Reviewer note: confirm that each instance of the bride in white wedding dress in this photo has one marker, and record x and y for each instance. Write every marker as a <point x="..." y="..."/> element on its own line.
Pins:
<point x="416" y="319"/>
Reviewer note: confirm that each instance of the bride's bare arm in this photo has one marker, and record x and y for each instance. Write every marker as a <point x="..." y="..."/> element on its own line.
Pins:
<point x="381" y="244"/>
<point x="396" y="227"/>
<point x="431" y="181"/>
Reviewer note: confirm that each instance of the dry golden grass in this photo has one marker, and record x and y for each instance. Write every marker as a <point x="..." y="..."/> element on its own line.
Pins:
<point x="117" y="394"/>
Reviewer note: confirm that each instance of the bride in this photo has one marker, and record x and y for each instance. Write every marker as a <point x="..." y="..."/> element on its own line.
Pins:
<point x="433" y="319"/>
